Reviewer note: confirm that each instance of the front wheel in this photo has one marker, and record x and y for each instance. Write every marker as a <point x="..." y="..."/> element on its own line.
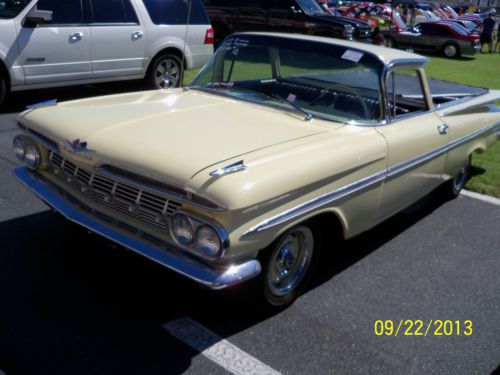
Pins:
<point x="165" y="71"/>
<point x="451" y="50"/>
<point x="288" y="265"/>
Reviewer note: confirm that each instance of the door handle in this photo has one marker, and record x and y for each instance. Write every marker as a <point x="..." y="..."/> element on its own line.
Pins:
<point x="443" y="129"/>
<point x="137" y="34"/>
<point x="76" y="37"/>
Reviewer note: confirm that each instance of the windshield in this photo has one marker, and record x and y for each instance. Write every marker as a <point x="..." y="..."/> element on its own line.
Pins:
<point x="322" y="79"/>
<point x="11" y="8"/>
<point x="311" y="7"/>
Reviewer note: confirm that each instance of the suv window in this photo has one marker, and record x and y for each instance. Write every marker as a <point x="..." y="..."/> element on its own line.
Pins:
<point x="175" y="12"/>
<point x="63" y="12"/>
<point x="112" y="11"/>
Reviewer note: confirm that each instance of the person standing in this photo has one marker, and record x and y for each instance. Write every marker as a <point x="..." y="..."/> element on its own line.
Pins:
<point x="497" y="44"/>
<point x="487" y="33"/>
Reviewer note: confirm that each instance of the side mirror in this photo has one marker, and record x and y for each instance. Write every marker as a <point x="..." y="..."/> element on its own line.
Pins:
<point x="36" y="17"/>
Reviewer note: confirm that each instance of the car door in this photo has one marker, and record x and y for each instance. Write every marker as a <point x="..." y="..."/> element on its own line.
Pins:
<point x="251" y="16"/>
<point x="286" y="16"/>
<point x="414" y="136"/>
<point x="59" y="50"/>
<point x="118" y="43"/>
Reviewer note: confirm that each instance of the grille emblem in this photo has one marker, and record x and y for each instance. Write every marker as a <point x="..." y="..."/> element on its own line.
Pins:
<point x="78" y="146"/>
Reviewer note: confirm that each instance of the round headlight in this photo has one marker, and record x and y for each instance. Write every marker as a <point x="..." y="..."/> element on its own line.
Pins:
<point x="208" y="240"/>
<point x="19" y="145"/>
<point x="31" y="155"/>
<point x="182" y="229"/>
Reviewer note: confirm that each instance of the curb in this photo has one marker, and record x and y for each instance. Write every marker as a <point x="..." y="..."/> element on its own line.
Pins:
<point x="481" y="197"/>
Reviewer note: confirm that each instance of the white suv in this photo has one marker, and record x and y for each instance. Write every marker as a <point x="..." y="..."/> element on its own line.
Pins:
<point x="48" y="43"/>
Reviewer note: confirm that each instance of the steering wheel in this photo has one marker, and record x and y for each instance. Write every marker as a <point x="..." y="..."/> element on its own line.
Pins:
<point x="345" y="88"/>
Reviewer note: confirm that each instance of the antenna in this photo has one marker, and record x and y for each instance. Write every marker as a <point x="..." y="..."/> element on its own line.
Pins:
<point x="190" y="3"/>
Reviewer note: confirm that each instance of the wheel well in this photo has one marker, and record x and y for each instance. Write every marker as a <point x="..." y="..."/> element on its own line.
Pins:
<point x="5" y="73"/>
<point x="172" y="51"/>
<point x="328" y="223"/>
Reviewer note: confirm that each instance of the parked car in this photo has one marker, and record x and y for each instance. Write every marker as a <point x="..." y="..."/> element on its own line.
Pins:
<point x="464" y="26"/>
<point x="49" y="43"/>
<point x="448" y="39"/>
<point x="284" y="145"/>
<point x="294" y="16"/>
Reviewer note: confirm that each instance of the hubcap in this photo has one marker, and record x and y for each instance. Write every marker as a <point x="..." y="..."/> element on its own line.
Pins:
<point x="290" y="260"/>
<point x="459" y="180"/>
<point x="450" y="50"/>
<point x="167" y="71"/>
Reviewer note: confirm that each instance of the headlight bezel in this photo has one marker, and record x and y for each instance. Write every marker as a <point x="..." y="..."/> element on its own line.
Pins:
<point x="29" y="147"/>
<point x="197" y="223"/>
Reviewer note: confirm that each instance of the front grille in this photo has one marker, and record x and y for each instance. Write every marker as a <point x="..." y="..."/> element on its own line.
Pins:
<point x="142" y="205"/>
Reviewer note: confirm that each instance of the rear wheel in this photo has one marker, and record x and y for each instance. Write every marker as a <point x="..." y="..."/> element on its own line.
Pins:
<point x="457" y="183"/>
<point x="288" y="264"/>
<point x="390" y="42"/>
<point x="3" y="89"/>
<point x="165" y="71"/>
<point x="451" y="50"/>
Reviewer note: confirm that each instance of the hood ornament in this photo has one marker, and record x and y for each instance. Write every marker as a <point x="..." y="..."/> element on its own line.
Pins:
<point x="236" y="167"/>
<point x="78" y="146"/>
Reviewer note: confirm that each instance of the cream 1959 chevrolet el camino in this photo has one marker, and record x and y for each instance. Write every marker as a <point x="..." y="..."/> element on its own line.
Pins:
<point x="279" y="141"/>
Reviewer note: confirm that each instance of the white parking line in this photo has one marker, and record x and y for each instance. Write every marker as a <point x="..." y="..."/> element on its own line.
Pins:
<point x="481" y="197"/>
<point x="215" y="348"/>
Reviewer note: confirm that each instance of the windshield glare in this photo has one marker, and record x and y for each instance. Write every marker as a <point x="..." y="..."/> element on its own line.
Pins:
<point x="326" y="80"/>
<point x="310" y="7"/>
<point x="11" y="8"/>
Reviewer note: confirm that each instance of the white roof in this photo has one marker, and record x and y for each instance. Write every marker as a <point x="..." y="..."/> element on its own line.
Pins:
<point x="385" y="54"/>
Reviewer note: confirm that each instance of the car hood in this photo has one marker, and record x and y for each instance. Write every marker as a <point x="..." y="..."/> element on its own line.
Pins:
<point x="169" y="136"/>
<point x="343" y="20"/>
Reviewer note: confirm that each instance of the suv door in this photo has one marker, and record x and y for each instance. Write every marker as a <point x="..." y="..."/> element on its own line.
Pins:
<point x="118" y="43"/>
<point x="57" y="51"/>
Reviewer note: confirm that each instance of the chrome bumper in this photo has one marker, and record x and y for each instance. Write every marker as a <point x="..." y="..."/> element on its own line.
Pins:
<point x="170" y="258"/>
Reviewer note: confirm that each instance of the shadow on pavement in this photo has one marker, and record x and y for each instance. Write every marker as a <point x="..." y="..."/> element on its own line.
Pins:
<point x="71" y="305"/>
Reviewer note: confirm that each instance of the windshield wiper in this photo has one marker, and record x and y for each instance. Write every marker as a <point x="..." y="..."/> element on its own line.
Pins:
<point x="307" y="115"/>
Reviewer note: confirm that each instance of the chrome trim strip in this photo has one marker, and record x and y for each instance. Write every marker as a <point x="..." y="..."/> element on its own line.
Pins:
<point x="317" y="202"/>
<point x="365" y="183"/>
<point x="235" y="167"/>
<point x="171" y="258"/>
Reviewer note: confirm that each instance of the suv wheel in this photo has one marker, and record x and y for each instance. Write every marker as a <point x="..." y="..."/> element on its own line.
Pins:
<point x="3" y="89"/>
<point x="165" y="71"/>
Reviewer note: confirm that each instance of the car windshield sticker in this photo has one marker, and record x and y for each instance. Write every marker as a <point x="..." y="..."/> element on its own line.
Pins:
<point x="234" y="45"/>
<point x="353" y="56"/>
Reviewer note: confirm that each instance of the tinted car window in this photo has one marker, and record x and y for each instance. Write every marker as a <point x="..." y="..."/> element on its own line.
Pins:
<point x="63" y="12"/>
<point x="113" y="11"/>
<point x="11" y="8"/>
<point x="175" y="12"/>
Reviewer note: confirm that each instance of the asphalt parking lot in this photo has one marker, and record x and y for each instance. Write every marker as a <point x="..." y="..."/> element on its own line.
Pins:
<point x="71" y="304"/>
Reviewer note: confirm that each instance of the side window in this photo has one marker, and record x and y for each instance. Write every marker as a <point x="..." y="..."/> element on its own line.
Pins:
<point x="405" y="93"/>
<point x="175" y="12"/>
<point x="63" y="12"/>
<point x="113" y="11"/>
